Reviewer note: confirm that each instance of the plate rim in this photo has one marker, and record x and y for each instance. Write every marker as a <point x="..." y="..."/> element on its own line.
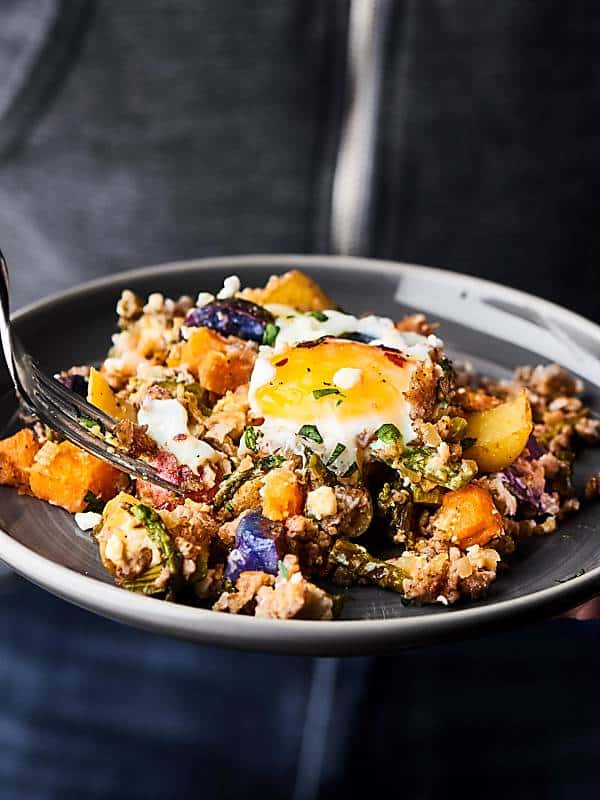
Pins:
<point x="336" y="637"/>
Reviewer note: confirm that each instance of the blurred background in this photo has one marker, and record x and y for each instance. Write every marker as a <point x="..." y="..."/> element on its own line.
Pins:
<point x="452" y="133"/>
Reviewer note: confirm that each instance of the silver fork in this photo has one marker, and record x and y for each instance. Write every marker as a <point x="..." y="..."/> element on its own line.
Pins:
<point x="60" y="408"/>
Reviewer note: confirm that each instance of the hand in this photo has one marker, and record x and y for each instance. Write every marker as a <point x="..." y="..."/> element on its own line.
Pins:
<point x="589" y="610"/>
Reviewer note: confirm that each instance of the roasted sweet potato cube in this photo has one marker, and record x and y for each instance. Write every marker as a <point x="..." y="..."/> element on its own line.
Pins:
<point x="220" y="364"/>
<point x="294" y="289"/>
<point x="16" y="457"/>
<point x="63" y="474"/>
<point x="468" y="516"/>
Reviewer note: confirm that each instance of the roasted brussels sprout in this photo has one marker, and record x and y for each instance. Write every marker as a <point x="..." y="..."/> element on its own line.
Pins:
<point x="358" y="563"/>
<point x="234" y="317"/>
<point x="258" y="546"/>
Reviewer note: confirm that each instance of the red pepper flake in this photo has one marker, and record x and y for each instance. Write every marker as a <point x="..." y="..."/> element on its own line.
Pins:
<point x="396" y="358"/>
<point x="281" y="363"/>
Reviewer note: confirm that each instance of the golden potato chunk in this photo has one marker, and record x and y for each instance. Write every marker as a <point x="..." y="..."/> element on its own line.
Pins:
<point x="501" y="433"/>
<point x="294" y="289"/>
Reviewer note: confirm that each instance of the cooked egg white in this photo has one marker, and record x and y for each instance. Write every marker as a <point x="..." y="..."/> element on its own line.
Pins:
<point x="167" y="424"/>
<point x="333" y="390"/>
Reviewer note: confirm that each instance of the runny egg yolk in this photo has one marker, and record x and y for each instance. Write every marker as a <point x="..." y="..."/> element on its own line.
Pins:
<point x="302" y="388"/>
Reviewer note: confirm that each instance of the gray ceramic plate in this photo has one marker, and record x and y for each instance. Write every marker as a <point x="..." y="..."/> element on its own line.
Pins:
<point x="497" y="328"/>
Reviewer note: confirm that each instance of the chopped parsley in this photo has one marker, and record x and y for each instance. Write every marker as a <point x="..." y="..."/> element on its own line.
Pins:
<point x="88" y="422"/>
<point x="283" y="570"/>
<point x="270" y="334"/>
<point x="311" y="432"/>
<point x="318" y="315"/>
<point x="335" y="453"/>
<point x="229" y="508"/>
<point x="250" y="437"/>
<point x="388" y="433"/>
<point x="578" y="574"/>
<point x="319" y="393"/>
<point x="351" y="470"/>
<point x="93" y="503"/>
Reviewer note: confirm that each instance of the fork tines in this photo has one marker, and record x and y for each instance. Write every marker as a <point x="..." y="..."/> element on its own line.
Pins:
<point x="62" y="410"/>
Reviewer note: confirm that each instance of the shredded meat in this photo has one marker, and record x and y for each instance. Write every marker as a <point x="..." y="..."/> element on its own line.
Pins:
<point x="421" y="393"/>
<point x="293" y="597"/>
<point x="134" y="438"/>
<point x="243" y="600"/>
<point x="310" y="543"/>
<point x="416" y="323"/>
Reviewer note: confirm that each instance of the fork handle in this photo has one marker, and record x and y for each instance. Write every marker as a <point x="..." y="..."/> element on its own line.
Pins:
<point x="5" y="332"/>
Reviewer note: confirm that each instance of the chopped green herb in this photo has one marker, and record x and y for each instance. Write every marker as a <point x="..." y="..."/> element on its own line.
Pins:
<point x="250" y="434"/>
<point x="335" y="453"/>
<point x="319" y="393"/>
<point x="388" y="433"/>
<point x="283" y="570"/>
<point x="270" y="334"/>
<point x="447" y="367"/>
<point x="578" y="574"/>
<point x="88" y="422"/>
<point x="229" y="508"/>
<point x="232" y="482"/>
<point x="318" y="315"/>
<point x="467" y="442"/>
<point x="458" y="425"/>
<point x="351" y="470"/>
<point x="93" y="503"/>
<point x="311" y="432"/>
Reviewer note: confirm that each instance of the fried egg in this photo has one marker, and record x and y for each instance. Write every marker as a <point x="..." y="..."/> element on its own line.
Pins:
<point x="323" y="393"/>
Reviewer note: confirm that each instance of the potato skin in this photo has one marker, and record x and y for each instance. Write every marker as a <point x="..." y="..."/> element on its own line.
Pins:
<point x="501" y="433"/>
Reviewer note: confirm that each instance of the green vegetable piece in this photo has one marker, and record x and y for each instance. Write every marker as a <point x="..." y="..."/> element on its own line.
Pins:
<point x="146" y="583"/>
<point x="159" y="535"/>
<point x="283" y="570"/>
<point x="432" y="497"/>
<point x="395" y="507"/>
<point x="335" y="454"/>
<point x="388" y="433"/>
<point x="424" y="461"/>
<point x="447" y="367"/>
<point x="578" y="574"/>
<point x="319" y="393"/>
<point x="230" y="485"/>
<point x="351" y="470"/>
<point x="93" y="503"/>
<point x="311" y="432"/>
<point x="250" y="438"/>
<point x="229" y="508"/>
<point x="318" y="315"/>
<point x="361" y="564"/>
<point x="89" y="423"/>
<point x="458" y="425"/>
<point x="270" y="334"/>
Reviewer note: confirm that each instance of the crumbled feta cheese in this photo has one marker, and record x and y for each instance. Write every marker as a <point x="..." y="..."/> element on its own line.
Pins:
<point x="231" y="287"/>
<point x="155" y="302"/>
<point x="86" y="520"/>
<point x="167" y="424"/>
<point x="113" y="549"/>
<point x="347" y="377"/>
<point x="204" y="298"/>
<point x="321" y="502"/>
